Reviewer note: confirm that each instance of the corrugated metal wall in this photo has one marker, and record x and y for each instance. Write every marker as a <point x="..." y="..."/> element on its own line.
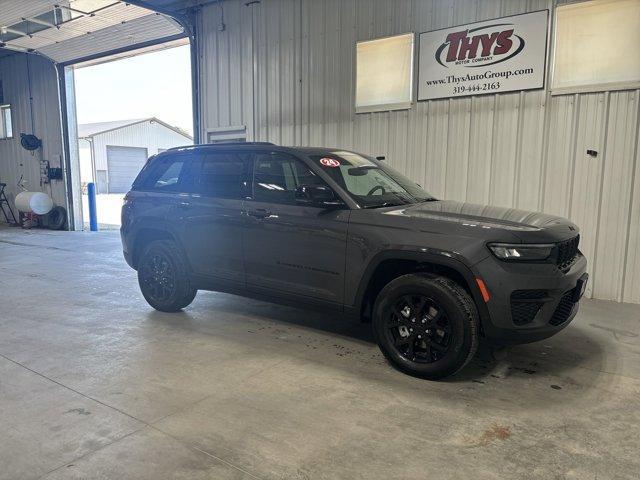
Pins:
<point x="285" y="69"/>
<point x="150" y="135"/>
<point x="15" y="161"/>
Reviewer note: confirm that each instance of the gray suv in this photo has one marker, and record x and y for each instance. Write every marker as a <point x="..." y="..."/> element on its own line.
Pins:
<point x="344" y="232"/>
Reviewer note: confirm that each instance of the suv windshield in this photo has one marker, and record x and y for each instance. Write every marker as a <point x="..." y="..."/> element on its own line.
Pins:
<point x="371" y="183"/>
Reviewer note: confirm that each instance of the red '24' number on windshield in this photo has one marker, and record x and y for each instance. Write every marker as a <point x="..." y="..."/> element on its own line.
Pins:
<point x="329" y="162"/>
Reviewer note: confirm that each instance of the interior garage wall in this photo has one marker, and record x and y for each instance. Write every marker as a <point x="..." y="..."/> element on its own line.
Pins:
<point x="286" y="70"/>
<point x="21" y="81"/>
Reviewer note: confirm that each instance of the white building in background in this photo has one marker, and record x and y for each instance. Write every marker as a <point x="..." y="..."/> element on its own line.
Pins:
<point x="112" y="153"/>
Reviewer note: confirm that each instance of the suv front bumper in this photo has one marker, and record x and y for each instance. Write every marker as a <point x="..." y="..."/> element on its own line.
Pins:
<point x="550" y="298"/>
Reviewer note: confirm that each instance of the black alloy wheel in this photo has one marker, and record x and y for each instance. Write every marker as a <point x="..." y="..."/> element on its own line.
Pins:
<point x="163" y="277"/>
<point x="158" y="275"/>
<point x="426" y="325"/>
<point x="419" y="328"/>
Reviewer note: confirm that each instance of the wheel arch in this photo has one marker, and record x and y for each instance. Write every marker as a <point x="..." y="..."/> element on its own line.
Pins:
<point x="391" y="264"/>
<point x="146" y="234"/>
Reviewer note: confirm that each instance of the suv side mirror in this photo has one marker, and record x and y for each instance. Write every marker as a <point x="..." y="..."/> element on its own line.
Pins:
<point x="317" y="195"/>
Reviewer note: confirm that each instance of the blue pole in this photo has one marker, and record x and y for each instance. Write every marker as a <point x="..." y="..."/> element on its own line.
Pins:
<point x="93" y="212"/>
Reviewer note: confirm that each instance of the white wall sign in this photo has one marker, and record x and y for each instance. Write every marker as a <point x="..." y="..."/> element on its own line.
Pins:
<point x="500" y="55"/>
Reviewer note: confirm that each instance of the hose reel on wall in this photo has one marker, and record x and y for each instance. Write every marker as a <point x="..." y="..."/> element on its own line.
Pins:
<point x="30" y="142"/>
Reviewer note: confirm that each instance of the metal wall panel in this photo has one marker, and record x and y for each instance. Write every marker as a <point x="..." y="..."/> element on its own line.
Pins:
<point x="285" y="69"/>
<point x="22" y="81"/>
<point x="619" y="163"/>
<point x="631" y="291"/>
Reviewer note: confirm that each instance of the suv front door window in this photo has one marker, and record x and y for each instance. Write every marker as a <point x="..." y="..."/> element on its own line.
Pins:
<point x="276" y="177"/>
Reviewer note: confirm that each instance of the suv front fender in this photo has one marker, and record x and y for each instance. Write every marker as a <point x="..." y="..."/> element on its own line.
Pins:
<point x="424" y="259"/>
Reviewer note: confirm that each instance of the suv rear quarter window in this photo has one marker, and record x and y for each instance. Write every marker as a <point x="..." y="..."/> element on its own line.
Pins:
<point x="163" y="174"/>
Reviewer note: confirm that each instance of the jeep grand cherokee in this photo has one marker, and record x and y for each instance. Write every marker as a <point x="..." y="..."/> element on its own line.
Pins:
<point x="342" y="231"/>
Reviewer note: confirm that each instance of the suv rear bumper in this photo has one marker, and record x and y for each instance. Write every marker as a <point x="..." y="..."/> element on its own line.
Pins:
<point x="550" y="299"/>
<point x="127" y="251"/>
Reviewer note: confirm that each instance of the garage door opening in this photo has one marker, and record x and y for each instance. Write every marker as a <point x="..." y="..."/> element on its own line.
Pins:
<point x="128" y="110"/>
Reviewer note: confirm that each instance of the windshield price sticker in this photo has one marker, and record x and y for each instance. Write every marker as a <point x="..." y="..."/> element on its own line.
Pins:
<point x="329" y="162"/>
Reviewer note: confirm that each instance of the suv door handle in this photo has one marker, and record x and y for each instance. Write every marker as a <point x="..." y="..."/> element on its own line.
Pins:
<point x="259" y="213"/>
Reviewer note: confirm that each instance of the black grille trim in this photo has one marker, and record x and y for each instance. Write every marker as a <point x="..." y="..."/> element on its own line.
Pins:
<point x="567" y="253"/>
<point x="525" y="305"/>
<point x="563" y="310"/>
<point x="528" y="294"/>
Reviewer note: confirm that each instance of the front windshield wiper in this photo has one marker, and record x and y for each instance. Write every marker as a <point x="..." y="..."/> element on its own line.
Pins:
<point x="402" y="201"/>
<point x="383" y="204"/>
<point x="405" y="198"/>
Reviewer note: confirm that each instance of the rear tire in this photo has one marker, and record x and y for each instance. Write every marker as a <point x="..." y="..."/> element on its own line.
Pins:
<point x="163" y="277"/>
<point x="426" y="326"/>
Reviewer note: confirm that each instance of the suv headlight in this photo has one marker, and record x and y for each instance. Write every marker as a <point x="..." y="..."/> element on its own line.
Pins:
<point x="521" y="252"/>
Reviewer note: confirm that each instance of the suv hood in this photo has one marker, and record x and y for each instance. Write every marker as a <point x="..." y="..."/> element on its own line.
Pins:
<point x="528" y="226"/>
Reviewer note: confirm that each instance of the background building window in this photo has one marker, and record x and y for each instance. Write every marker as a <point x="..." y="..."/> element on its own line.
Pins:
<point x="384" y="73"/>
<point x="6" y="127"/>
<point x="596" y="45"/>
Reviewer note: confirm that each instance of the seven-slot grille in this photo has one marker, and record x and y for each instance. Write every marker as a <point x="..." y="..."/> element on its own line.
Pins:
<point x="567" y="253"/>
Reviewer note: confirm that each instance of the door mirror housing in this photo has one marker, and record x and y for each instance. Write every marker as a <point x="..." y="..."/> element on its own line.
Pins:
<point x="318" y="196"/>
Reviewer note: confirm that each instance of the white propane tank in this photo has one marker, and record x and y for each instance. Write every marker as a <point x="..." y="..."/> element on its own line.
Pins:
<point x="34" y="202"/>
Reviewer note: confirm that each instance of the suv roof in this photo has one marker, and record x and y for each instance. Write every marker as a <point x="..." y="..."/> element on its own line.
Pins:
<point x="246" y="145"/>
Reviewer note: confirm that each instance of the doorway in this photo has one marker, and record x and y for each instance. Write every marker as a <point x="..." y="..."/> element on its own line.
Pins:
<point x="127" y="110"/>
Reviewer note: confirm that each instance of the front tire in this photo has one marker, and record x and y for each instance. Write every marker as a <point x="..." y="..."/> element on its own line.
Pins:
<point x="426" y="326"/>
<point x="163" y="278"/>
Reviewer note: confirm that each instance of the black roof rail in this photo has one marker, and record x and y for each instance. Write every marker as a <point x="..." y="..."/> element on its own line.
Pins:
<point x="231" y="142"/>
<point x="219" y="144"/>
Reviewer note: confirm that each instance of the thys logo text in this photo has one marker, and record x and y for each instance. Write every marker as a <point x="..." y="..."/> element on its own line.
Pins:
<point x="480" y="46"/>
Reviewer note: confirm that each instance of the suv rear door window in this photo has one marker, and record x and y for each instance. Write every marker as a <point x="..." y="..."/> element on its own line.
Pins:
<point x="220" y="175"/>
<point x="276" y="177"/>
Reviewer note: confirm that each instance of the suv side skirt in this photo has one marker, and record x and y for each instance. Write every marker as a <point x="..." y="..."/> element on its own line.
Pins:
<point x="213" y="284"/>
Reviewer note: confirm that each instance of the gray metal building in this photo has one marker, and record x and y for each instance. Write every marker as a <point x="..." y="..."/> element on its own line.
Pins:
<point x="112" y="153"/>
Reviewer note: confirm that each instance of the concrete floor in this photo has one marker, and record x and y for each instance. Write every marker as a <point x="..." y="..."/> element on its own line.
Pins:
<point x="95" y="384"/>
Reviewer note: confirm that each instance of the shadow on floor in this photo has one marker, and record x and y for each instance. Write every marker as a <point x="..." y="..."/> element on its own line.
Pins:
<point x="572" y="348"/>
